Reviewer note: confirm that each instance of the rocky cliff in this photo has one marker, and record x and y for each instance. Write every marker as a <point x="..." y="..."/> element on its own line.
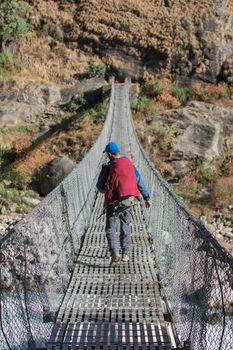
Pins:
<point x="171" y="37"/>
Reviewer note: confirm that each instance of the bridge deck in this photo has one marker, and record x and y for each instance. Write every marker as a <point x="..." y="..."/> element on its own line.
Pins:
<point x="112" y="308"/>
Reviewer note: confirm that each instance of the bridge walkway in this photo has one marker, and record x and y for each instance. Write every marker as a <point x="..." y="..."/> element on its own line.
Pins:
<point x="112" y="307"/>
<point x="101" y="307"/>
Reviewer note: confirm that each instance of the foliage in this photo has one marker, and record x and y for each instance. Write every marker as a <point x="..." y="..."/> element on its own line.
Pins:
<point x="223" y="192"/>
<point x="16" y="129"/>
<point x="229" y="144"/>
<point x="182" y="94"/>
<point x="200" y="92"/>
<point x="9" y="168"/>
<point x="165" y="136"/>
<point x="88" y="99"/>
<point x="76" y="104"/>
<point x="7" y="155"/>
<point x="144" y="104"/>
<point x="95" y="115"/>
<point x="7" y="60"/>
<point x="168" y="101"/>
<point x="187" y="187"/>
<point x="211" y="92"/>
<point x="204" y="170"/>
<point x="10" y="195"/>
<point x="13" y="174"/>
<point x="97" y="70"/>
<point x="12" y="21"/>
<point x="12" y="25"/>
<point x="153" y="88"/>
<point x="89" y="107"/>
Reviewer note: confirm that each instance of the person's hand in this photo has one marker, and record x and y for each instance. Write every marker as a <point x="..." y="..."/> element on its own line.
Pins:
<point x="148" y="204"/>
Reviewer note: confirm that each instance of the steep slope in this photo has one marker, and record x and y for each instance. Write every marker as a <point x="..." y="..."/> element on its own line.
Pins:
<point x="172" y="37"/>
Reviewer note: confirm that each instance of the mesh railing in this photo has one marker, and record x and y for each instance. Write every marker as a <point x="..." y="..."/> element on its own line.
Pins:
<point x="196" y="274"/>
<point x="38" y="254"/>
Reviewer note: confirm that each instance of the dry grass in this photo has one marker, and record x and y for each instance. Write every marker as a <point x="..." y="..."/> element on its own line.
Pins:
<point x="167" y="101"/>
<point x="34" y="161"/>
<point x="223" y="192"/>
<point x="67" y="35"/>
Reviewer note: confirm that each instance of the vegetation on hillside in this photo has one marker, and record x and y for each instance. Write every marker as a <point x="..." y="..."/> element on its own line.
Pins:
<point x="62" y="41"/>
<point x="73" y="130"/>
<point x="13" y="25"/>
<point x="214" y="177"/>
<point x="12" y="21"/>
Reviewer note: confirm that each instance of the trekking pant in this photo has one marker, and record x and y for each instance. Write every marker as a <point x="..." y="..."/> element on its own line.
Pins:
<point x="124" y="216"/>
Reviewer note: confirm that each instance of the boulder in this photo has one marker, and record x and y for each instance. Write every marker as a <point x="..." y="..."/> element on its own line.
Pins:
<point x="85" y="85"/>
<point x="31" y="201"/>
<point x="13" y="207"/>
<point x="203" y="129"/>
<point x="181" y="168"/>
<point x="14" y="112"/>
<point x="54" y="173"/>
<point x="30" y="99"/>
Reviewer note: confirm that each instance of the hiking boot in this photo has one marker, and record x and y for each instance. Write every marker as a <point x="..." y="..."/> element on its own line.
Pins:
<point x="115" y="259"/>
<point x="125" y="257"/>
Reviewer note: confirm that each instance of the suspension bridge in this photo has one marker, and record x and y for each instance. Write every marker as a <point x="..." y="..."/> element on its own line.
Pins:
<point x="58" y="291"/>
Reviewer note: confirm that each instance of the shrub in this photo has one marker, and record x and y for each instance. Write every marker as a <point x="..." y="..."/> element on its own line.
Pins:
<point x="7" y="155"/>
<point x="182" y="94"/>
<point x="9" y="195"/>
<point x="12" y="173"/>
<point x="168" y="100"/>
<point x="89" y="99"/>
<point x="7" y="60"/>
<point x="210" y="92"/>
<point x="222" y="194"/>
<point x="220" y="91"/>
<point x="229" y="144"/>
<point x="201" y="93"/>
<point x="12" y="21"/>
<point x="16" y="129"/>
<point x="189" y="184"/>
<point x="101" y="112"/>
<point x="153" y="88"/>
<point x="188" y="188"/>
<point x="97" y="70"/>
<point x="76" y="104"/>
<point x="144" y="104"/>
<point x="204" y="170"/>
<point x="166" y="136"/>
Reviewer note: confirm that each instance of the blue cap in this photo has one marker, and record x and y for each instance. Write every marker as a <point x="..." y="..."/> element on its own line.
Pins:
<point x="112" y="147"/>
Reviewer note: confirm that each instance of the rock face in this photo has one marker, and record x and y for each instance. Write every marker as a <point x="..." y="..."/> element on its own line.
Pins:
<point x="31" y="99"/>
<point x="183" y="38"/>
<point x="54" y="173"/>
<point x="202" y="129"/>
<point x="227" y="70"/>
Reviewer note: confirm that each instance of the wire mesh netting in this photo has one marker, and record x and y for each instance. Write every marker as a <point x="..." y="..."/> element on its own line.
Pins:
<point x="195" y="272"/>
<point x="37" y="256"/>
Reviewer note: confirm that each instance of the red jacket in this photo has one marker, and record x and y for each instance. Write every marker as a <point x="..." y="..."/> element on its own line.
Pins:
<point x="120" y="180"/>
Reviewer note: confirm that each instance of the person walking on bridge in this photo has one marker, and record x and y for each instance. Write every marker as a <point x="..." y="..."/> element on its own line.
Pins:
<point x="122" y="185"/>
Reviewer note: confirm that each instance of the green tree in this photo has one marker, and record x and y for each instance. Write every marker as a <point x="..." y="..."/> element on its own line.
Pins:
<point x="13" y="23"/>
